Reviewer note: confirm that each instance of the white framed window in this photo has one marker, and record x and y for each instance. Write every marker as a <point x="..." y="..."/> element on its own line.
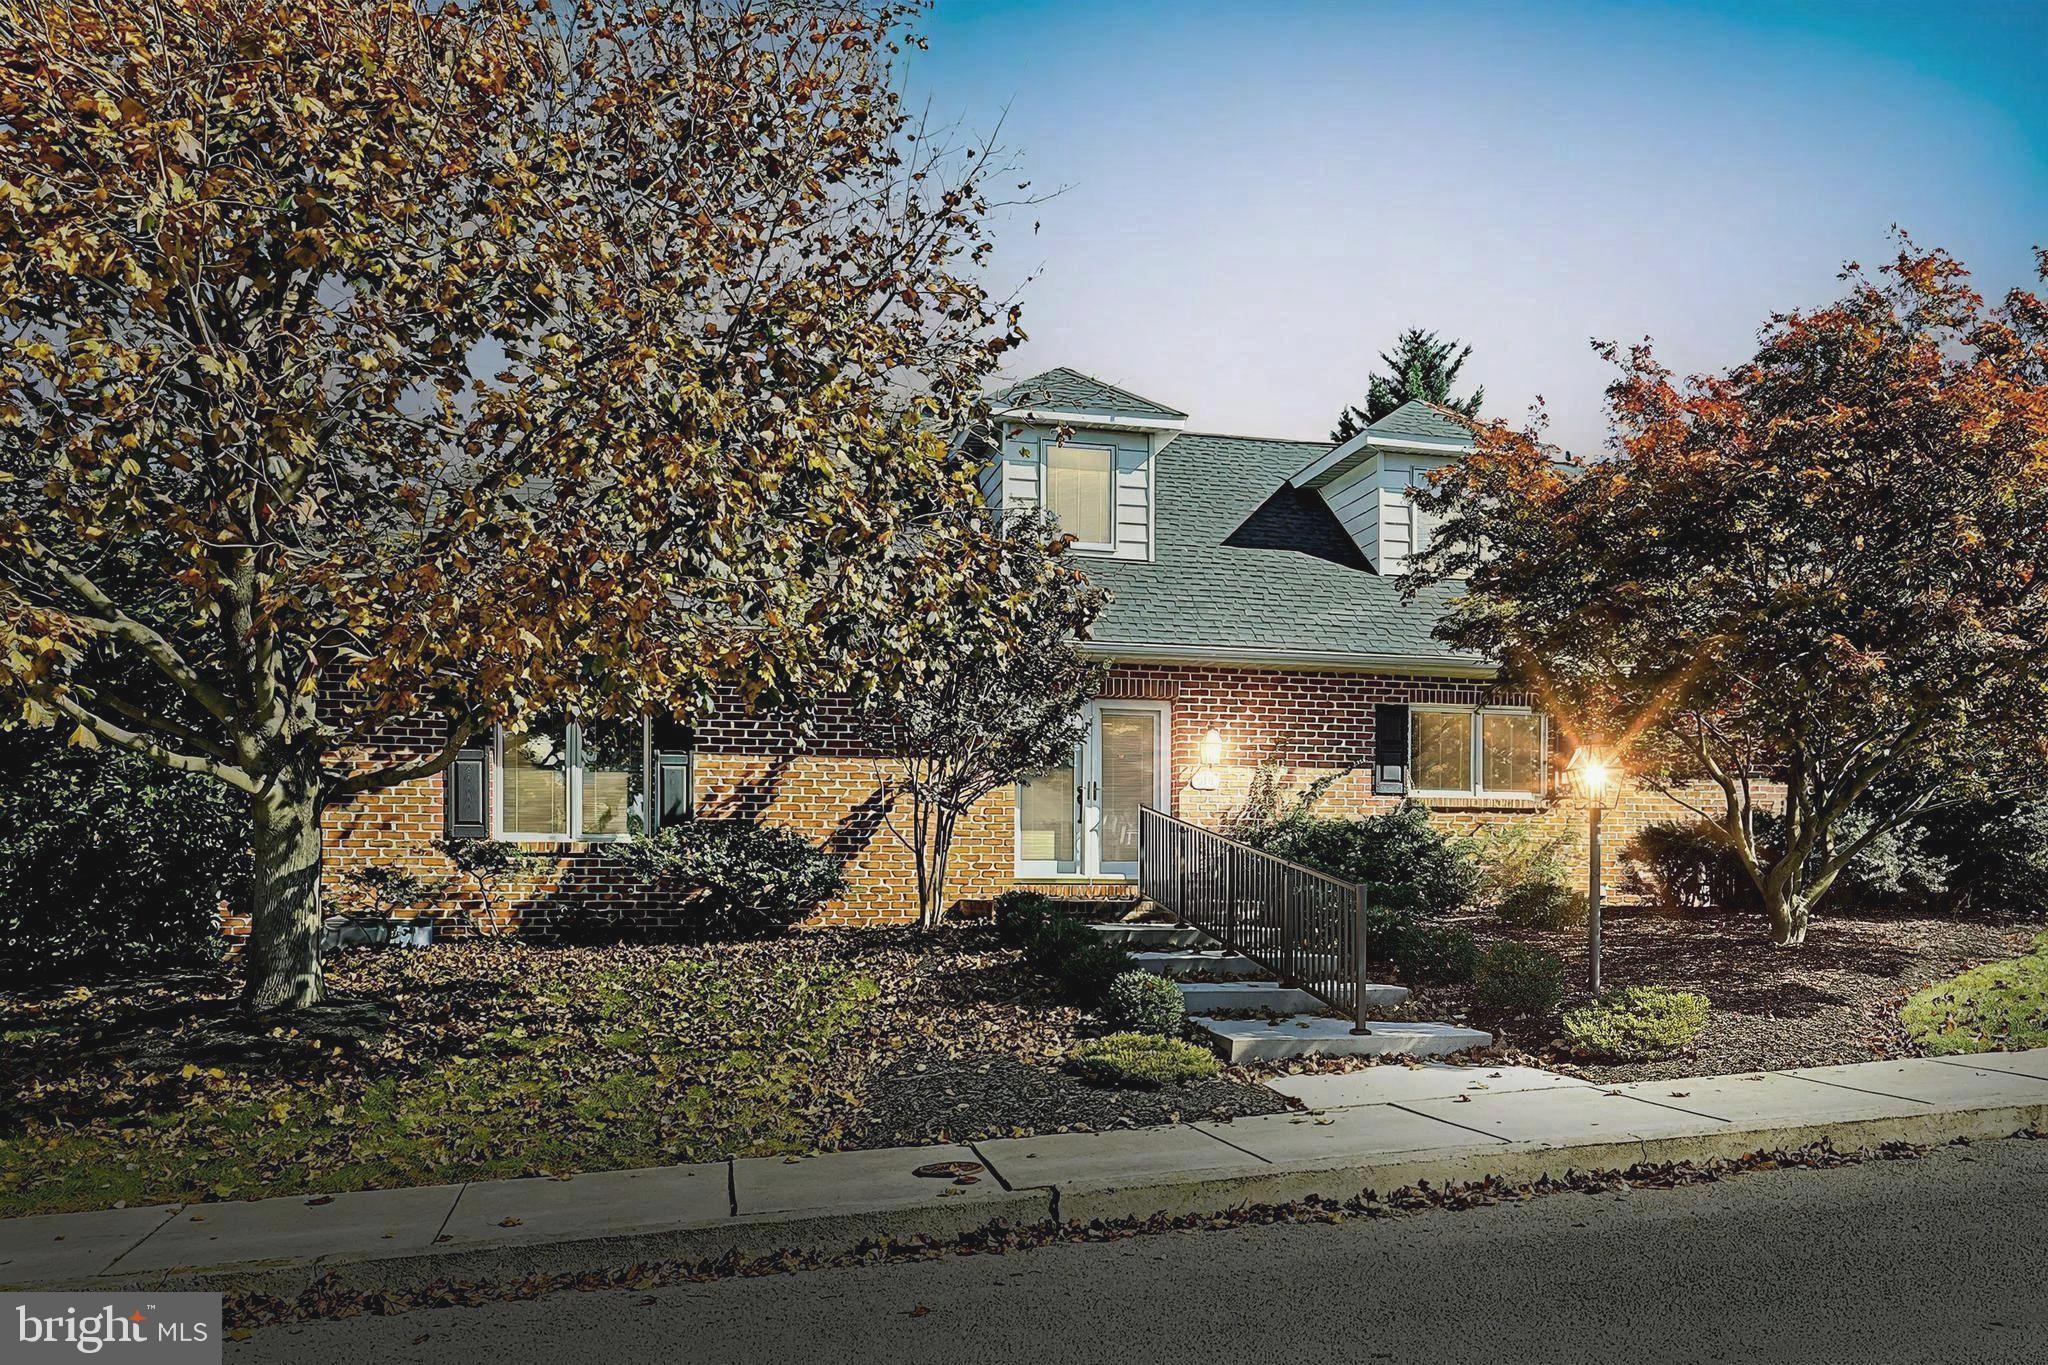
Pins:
<point x="1080" y="491"/>
<point x="1475" y="751"/>
<point x="563" y="781"/>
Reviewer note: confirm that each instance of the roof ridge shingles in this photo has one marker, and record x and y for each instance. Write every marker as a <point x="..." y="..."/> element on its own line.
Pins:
<point x="1065" y="384"/>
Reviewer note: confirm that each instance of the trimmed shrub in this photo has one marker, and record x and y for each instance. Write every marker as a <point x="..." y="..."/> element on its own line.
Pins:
<point x="1542" y="905"/>
<point x="1995" y="1007"/>
<point x="1080" y="961"/>
<point x="740" y="879"/>
<point x="1020" y="914"/>
<point x="1637" y="1023"/>
<point x="1141" y="1060"/>
<point x="1431" y="955"/>
<point x="1513" y="857"/>
<point x="1087" y="972"/>
<point x="1407" y="864"/>
<point x="1056" y="938"/>
<point x="1142" y="1002"/>
<point x="1516" y="980"/>
<point x="1686" y="865"/>
<point x="110" y="862"/>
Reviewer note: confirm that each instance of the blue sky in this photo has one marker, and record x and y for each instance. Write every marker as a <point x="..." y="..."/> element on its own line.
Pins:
<point x="1255" y="197"/>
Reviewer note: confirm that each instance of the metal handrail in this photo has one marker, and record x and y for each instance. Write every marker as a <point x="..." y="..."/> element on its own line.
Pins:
<point x="1300" y="923"/>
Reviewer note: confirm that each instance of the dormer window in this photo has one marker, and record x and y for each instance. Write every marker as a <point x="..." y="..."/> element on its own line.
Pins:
<point x="1080" y="492"/>
<point x="1083" y="451"/>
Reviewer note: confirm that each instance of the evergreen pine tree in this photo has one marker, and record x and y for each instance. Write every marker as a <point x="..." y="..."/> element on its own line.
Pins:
<point x="1419" y="366"/>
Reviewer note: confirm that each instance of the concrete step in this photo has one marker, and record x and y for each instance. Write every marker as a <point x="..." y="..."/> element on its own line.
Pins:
<point x="1184" y="962"/>
<point x="1257" y="1040"/>
<point x="1151" y="935"/>
<point x="1213" y="997"/>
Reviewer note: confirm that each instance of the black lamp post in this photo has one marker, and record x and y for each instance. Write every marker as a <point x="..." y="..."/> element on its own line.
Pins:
<point x="1593" y="778"/>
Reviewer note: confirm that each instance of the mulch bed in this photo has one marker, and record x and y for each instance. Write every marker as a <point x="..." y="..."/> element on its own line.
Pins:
<point x="493" y="1058"/>
<point x="967" y="1043"/>
<point x="1835" y="999"/>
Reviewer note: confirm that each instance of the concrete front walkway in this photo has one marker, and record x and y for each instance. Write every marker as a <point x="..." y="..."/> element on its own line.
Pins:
<point x="1376" y="1129"/>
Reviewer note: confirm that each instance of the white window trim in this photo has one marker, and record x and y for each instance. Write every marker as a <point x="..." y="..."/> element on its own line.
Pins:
<point x="1477" y="755"/>
<point x="1048" y="444"/>
<point x="572" y="733"/>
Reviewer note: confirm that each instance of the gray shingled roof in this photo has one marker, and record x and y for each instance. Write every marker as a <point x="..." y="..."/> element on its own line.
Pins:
<point x="1417" y="418"/>
<point x="1063" y="389"/>
<point x="1246" y="563"/>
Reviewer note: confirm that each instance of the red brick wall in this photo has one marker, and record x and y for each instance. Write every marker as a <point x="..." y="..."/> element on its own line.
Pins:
<point x="1281" y="731"/>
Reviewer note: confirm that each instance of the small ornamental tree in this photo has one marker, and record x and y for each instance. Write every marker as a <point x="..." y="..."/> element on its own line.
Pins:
<point x="1001" y="701"/>
<point x="374" y="362"/>
<point x="1826" y="569"/>
<point x="1421" y="365"/>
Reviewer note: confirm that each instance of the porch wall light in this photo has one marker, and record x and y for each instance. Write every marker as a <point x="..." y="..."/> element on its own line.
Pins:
<point x="1210" y="752"/>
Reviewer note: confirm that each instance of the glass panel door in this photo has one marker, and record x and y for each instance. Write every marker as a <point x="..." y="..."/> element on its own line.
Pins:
<point x="1127" y="741"/>
<point x="1049" y="823"/>
<point x="1082" y="817"/>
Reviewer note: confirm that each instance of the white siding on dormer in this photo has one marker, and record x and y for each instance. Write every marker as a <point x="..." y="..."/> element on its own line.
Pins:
<point x="1020" y="471"/>
<point x="1355" y="498"/>
<point x="1371" y="501"/>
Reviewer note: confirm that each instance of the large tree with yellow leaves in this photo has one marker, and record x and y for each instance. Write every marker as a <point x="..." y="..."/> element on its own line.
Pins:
<point x="376" y="360"/>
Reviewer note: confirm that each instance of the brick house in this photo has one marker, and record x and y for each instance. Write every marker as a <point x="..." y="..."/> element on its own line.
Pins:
<point x="1258" y="642"/>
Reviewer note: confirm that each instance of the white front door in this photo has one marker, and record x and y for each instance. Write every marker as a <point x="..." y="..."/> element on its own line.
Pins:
<point x="1081" y="819"/>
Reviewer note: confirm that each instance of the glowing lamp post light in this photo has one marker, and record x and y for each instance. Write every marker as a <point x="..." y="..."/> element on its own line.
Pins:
<point x="1593" y="779"/>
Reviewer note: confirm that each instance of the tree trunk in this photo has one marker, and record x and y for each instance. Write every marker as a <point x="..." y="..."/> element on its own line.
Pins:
<point x="933" y="910"/>
<point x="284" y="932"/>
<point x="1789" y="910"/>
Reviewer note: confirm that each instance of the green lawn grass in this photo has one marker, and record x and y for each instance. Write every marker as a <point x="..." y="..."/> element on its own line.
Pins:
<point x="482" y="1061"/>
<point x="2000" y="1006"/>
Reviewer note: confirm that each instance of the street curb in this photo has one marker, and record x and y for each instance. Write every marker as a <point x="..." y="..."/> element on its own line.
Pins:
<point x="1210" y="1191"/>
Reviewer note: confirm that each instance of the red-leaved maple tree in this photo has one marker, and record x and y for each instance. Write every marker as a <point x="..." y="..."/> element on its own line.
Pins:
<point x="1820" y="578"/>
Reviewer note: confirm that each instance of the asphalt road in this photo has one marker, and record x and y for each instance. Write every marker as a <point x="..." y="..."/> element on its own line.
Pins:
<point x="1943" y="1259"/>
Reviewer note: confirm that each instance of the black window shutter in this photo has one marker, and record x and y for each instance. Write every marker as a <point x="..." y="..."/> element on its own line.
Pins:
<point x="466" y="791"/>
<point x="673" y="798"/>
<point x="1390" y="751"/>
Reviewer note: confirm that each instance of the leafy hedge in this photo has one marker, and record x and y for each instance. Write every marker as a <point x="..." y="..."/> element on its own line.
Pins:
<point x="1081" y="963"/>
<point x="1413" y="874"/>
<point x="1409" y="867"/>
<point x="737" y="879"/>
<point x="108" y="861"/>
<point x="1989" y="855"/>
<point x="1515" y="980"/>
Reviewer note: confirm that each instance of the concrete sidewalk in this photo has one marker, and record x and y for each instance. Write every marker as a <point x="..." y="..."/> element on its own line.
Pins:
<point x="1379" y="1129"/>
